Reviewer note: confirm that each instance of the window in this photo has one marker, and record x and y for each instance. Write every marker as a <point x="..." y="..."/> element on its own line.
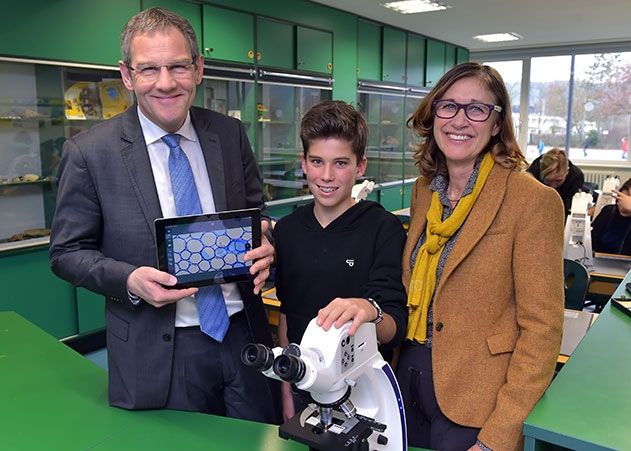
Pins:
<point x="580" y="102"/>
<point x="601" y="113"/>
<point x="511" y="73"/>
<point x="548" y="104"/>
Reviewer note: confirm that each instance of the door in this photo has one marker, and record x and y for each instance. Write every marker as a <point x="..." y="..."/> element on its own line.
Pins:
<point x="228" y="35"/>
<point x="314" y="50"/>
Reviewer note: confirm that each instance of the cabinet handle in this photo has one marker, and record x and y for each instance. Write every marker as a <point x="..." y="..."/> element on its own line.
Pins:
<point x="208" y="50"/>
<point x="250" y="54"/>
<point x="258" y="56"/>
<point x="300" y="63"/>
<point x="329" y="66"/>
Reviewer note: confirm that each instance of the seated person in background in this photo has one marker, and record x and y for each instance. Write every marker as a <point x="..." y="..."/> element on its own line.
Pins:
<point x="337" y="259"/>
<point x="555" y="169"/>
<point x="611" y="229"/>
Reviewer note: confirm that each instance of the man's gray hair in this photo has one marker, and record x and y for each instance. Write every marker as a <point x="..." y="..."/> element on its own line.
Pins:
<point x="153" y="20"/>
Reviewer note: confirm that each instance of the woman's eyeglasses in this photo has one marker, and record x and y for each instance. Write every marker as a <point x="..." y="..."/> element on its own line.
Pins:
<point x="477" y="112"/>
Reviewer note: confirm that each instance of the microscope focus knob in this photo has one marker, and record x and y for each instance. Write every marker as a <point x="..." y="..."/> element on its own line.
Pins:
<point x="382" y="439"/>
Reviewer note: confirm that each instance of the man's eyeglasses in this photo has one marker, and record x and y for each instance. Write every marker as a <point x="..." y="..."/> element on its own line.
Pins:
<point x="152" y="73"/>
<point x="477" y="112"/>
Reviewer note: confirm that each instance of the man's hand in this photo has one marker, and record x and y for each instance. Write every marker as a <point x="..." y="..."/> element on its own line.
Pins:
<point x="152" y="285"/>
<point x="262" y="257"/>
<point x="341" y="310"/>
<point x="623" y="200"/>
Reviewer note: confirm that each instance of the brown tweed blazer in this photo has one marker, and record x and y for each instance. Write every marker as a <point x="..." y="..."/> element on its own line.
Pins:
<point x="498" y="308"/>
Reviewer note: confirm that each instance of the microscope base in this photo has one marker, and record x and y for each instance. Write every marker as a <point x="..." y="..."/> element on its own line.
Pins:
<point x="346" y="434"/>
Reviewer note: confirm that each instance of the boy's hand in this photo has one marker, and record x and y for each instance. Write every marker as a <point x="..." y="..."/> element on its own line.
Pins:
<point x="623" y="200"/>
<point x="342" y="310"/>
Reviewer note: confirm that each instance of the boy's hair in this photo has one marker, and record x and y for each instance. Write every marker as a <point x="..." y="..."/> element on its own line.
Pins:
<point x="334" y="119"/>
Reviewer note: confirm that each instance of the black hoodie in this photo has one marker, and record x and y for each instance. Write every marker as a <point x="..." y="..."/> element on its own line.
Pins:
<point x="356" y="255"/>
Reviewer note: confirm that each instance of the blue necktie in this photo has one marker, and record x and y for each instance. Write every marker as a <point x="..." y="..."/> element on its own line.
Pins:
<point x="211" y="306"/>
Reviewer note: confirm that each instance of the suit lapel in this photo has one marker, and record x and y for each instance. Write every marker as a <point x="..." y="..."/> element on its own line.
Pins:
<point x="480" y="219"/>
<point x="136" y="160"/>
<point x="210" y="143"/>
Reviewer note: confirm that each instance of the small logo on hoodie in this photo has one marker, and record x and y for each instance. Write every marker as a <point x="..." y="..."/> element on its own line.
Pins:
<point x="350" y="262"/>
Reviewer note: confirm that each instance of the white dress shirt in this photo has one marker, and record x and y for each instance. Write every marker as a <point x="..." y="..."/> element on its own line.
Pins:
<point x="186" y="309"/>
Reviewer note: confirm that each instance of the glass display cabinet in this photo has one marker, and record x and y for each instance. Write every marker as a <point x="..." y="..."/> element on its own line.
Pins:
<point x="42" y="104"/>
<point x="231" y="91"/>
<point x="282" y="100"/>
<point x="412" y="101"/>
<point x="383" y="106"/>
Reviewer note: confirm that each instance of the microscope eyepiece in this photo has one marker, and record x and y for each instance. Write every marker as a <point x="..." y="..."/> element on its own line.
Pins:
<point x="257" y="356"/>
<point x="289" y="368"/>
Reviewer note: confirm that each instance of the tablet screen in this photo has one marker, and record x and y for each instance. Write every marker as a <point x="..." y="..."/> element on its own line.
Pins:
<point x="208" y="249"/>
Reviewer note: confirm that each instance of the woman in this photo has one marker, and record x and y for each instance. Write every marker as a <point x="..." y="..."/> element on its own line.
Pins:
<point x="611" y="231"/>
<point x="555" y="169"/>
<point x="483" y="267"/>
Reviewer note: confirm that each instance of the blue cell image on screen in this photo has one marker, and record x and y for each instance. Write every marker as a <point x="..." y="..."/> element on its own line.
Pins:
<point x="193" y="253"/>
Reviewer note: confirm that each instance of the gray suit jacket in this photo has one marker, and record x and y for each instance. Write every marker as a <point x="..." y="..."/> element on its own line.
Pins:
<point x="103" y="229"/>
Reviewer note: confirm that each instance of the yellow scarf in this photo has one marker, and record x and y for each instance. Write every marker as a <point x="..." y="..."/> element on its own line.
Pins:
<point x="437" y="233"/>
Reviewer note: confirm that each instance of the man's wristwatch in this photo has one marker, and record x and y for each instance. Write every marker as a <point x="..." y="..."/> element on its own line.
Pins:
<point x="379" y="317"/>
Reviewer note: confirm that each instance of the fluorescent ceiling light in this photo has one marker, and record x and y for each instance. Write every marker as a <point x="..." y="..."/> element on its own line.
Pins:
<point x="415" y="6"/>
<point x="497" y="37"/>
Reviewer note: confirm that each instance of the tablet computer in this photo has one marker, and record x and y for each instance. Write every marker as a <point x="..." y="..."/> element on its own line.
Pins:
<point x="208" y="249"/>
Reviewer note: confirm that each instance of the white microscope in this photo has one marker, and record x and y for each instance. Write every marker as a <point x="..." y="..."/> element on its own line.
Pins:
<point x="577" y="242"/>
<point x="356" y="401"/>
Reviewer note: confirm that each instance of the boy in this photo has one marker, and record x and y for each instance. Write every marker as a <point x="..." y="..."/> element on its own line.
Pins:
<point x="337" y="259"/>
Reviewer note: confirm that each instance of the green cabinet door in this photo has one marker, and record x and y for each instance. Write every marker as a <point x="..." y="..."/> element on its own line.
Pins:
<point x="391" y="197"/>
<point x="462" y="55"/>
<point x="450" y="56"/>
<point x="435" y="66"/>
<point x="90" y="311"/>
<point x="65" y="30"/>
<point x="368" y="50"/>
<point x="191" y="12"/>
<point x="30" y="289"/>
<point x="314" y="50"/>
<point x="416" y="60"/>
<point x="275" y="43"/>
<point x="393" y="56"/>
<point x="407" y="194"/>
<point x="228" y="35"/>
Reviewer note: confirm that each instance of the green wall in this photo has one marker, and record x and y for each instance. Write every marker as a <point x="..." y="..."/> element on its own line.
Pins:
<point x="66" y="30"/>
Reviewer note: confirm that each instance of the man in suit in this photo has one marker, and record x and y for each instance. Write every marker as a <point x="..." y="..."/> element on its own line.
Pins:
<point x="114" y="181"/>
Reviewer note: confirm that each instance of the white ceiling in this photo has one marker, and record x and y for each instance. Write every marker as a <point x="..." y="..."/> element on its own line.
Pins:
<point x="540" y="22"/>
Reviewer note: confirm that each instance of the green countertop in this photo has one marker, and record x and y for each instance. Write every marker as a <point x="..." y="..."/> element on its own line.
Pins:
<point x="53" y="398"/>
<point x="588" y="405"/>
